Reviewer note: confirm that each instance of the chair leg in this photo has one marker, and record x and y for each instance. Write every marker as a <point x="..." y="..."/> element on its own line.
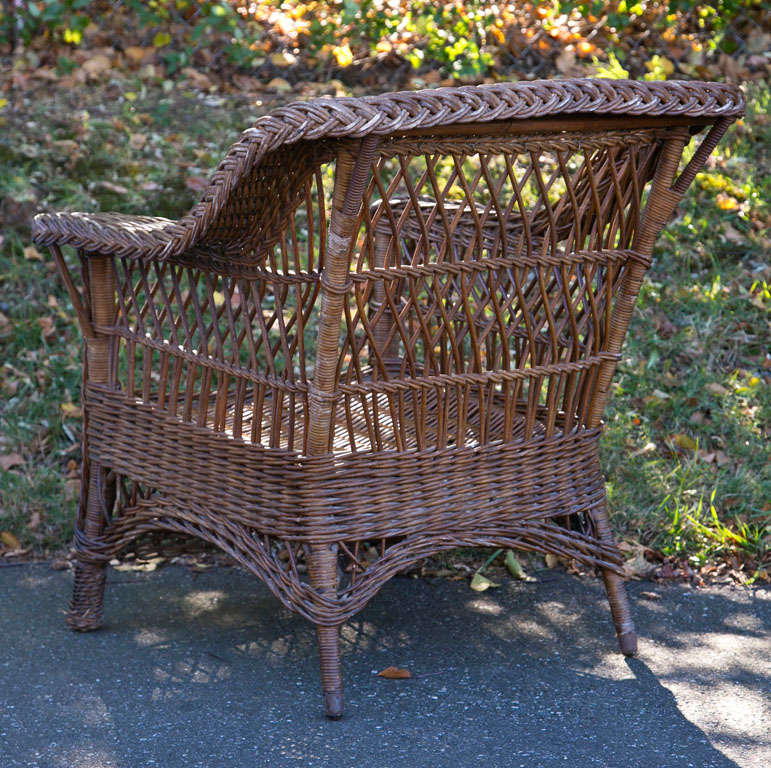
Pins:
<point x="331" y="673"/>
<point x="614" y="586"/>
<point x="323" y="574"/>
<point x="622" y="615"/>
<point x="86" y="607"/>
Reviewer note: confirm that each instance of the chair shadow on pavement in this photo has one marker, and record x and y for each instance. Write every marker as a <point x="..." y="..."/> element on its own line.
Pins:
<point x="211" y="670"/>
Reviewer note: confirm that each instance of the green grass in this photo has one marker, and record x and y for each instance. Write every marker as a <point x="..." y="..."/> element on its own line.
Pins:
<point x="685" y="447"/>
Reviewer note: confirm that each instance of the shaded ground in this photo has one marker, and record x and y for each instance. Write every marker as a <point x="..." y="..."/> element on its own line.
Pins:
<point x="208" y="670"/>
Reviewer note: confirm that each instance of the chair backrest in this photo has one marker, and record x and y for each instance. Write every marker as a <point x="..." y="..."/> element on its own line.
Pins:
<point x="416" y="270"/>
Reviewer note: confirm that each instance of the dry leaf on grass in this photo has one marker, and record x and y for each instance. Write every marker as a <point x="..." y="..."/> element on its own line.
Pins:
<point x="10" y="540"/>
<point x="11" y="460"/>
<point x="70" y="411"/>
<point x="395" y="673"/>
<point x="686" y="442"/>
<point x="97" y="65"/>
<point x="638" y="567"/>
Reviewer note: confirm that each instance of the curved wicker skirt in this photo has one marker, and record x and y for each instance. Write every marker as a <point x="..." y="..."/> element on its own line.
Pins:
<point x="532" y="494"/>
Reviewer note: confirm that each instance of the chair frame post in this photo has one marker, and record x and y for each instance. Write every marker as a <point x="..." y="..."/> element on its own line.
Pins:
<point x="662" y="201"/>
<point x="351" y="173"/>
<point x="86" y="612"/>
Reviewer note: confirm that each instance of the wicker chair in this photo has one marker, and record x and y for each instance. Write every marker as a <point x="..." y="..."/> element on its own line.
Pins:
<point x="388" y="329"/>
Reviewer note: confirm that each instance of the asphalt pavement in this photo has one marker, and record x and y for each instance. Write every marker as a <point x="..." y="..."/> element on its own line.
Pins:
<point x="208" y="670"/>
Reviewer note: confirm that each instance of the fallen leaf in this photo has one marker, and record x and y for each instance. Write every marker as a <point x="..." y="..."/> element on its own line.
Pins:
<point x="279" y="84"/>
<point x="10" y="540"/>
<point x="71" y="411"/>
<point x="480" y="583"/>
<point x="135" y="53"/>
<point x="515" y="567"/>
<point x="686" y="442"/>
<point x="395" y="673"/>
<point x="650" y="595"/>
<point x="638" y="567"/>
<point x="137" y="140"/>
<point x="97" y="65"/>
<point x="552" y="561"/>
<point x="10" y="460"/>
<point x="762" y="575"/>
<point x="115" y="188"/>
<point x="32" y="254"/>
<point x="716" y="389"/>
<point x="48" y="327"/>
<point x="145" y="566"/>
<point x="34" y="520"/>
<point x="198" y="79"/>
<point x="283" y="59"/>
<point x="647" y="448"/>
<point x="733" y="235"/>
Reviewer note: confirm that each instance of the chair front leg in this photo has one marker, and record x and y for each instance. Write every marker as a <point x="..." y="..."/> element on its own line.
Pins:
<point x="323" y="573"/>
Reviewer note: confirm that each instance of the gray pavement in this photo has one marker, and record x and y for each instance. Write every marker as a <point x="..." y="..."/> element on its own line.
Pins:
<point x="209" y="670"/>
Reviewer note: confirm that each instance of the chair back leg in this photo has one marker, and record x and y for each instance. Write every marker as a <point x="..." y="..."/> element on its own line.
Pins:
<point x="86" y="607"/>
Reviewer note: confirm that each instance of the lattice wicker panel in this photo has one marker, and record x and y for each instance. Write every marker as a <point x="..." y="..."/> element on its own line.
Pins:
<point x="482" y="294"/>
<point x="479" y="301"/>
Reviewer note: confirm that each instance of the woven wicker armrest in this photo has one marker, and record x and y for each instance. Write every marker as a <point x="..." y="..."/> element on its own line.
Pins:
<point x="105" y="233"/>
<point x="258" y="183"/>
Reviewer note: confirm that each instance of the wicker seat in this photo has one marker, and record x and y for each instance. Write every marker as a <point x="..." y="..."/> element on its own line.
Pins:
<point x="388" y="329"/>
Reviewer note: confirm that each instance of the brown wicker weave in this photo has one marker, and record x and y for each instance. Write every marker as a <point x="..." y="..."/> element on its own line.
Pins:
<point x="341" y="379"/>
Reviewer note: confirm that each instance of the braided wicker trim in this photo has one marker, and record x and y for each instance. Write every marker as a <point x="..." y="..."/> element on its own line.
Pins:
<point x="382" y="115"/>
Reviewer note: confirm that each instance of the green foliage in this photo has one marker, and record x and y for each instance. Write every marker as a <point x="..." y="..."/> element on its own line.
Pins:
<point x="63" y="19"/>
<point x="467" y="40"/>
<point x="453" y="35"/>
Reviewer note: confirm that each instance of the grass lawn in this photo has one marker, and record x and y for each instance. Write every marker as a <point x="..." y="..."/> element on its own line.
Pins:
<point x="685" y="448"/>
